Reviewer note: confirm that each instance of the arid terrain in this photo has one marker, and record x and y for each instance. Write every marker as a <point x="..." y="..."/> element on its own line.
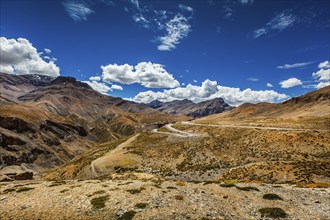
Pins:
<point x="146" y="197"/>
<point x="256" y="161"/>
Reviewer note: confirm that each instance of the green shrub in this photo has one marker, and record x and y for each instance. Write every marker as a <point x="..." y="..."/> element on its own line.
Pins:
<point x="232" y="181"/>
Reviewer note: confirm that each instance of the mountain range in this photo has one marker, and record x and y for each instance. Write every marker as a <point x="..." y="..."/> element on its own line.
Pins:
<point x="45" y="122"/>
<point x="191" y="109"/>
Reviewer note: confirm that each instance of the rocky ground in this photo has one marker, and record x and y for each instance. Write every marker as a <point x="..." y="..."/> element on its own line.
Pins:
<point x="156" y="198"/>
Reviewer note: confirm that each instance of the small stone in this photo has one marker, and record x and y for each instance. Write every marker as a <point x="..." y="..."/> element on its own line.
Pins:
<point x="120" y="213"/>
<point x="225" y="196"/>
<point x="157" y="205"/>
<point x="24" y="206"/>
<point x="3" y="198"/>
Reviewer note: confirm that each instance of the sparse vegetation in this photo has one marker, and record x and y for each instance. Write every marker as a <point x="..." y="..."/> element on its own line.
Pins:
<point x="24" y="189"/>
<point x="227" y="185"/>
<point x="135" y="191"/>
<point x="247" y="188"/>
<point x="64" y="190"/>
<point x="141" y="205"/>
<point x="128" y="215"/>
<point x="271" y="196"/>
<point x="96" y="193"/>
<point x="178" y="197"/>
<point x="57" y="183"/>
<point x="9" y="190"/>
<point x="99" y="202"/>
<point x="272" y="213"/>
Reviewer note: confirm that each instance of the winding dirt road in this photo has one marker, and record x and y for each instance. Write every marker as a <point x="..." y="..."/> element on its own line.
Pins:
<point x="176" y="132"/>
<point x="184" y="134"/>
<point x="252" y="127"/>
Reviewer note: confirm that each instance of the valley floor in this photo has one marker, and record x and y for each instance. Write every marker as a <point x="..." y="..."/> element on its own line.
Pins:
<point x="155" y="198"/>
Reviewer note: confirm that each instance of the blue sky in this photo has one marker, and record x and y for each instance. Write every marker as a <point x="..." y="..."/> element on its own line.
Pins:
<point x="147" y="50"/>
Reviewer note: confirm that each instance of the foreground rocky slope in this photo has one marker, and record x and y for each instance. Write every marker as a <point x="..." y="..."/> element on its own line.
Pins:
<point x="149" y="197"/>
<point x="191" y="109"/>
<point x="45" y="122"/>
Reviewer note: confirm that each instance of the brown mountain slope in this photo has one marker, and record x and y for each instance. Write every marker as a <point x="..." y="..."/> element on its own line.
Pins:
<point x="45" y="122"/>
<point x="311" y="110"/>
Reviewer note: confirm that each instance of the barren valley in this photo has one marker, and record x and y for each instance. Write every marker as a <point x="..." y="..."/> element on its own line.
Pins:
<point x="255" y="161"/>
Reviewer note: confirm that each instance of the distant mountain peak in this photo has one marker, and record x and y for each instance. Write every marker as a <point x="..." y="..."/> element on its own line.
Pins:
<point x="64" y="80"/>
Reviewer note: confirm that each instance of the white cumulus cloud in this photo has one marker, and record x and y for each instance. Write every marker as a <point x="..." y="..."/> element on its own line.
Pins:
<point x="324" y="65"/>
<point x="95" y="78"/>
<point x="269" y="85"/>
<point x="21" y="57"/>
<point x="98" y="86"/>
<point x="290" y="83"/>
<point x="210" y="90"/>
<point x="322" y="84"/>
<point x="150" y="75"/>
<point x="102" y="87"/>
<point x="322" y="74"/>
<point x="116" y="87"/>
